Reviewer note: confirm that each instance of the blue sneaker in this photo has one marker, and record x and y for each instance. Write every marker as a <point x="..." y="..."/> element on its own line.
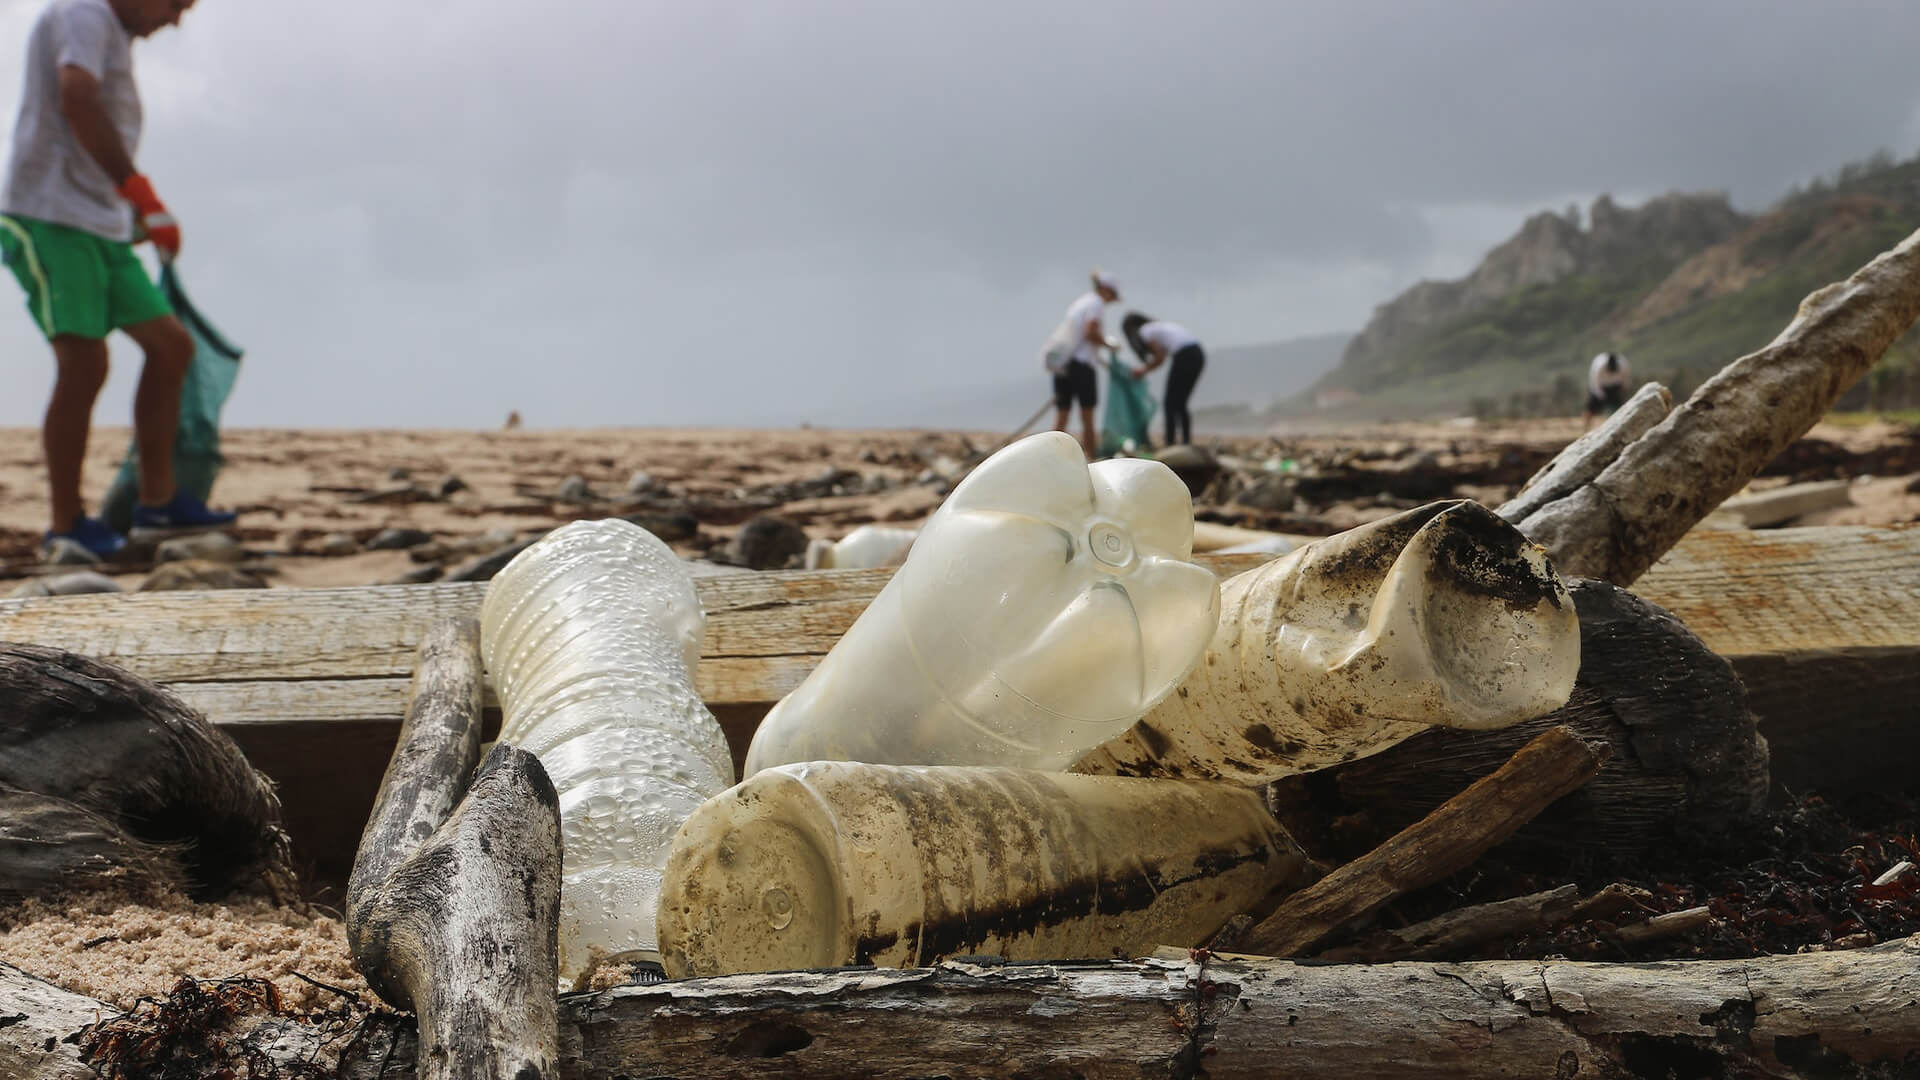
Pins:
<point x="91" y="533"/>
<point x="183" y="515"/>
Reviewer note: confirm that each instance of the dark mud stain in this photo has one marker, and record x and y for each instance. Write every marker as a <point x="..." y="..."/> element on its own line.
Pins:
<point x="1262" y="736"/>
<point x="1370" y="551"/>
<point x="1484" y="555"/>
<point x="1153" y="738"/>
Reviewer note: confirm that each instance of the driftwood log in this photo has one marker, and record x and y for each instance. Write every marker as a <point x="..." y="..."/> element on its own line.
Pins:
<point x="453" y="906"/>
<point x="1618" y="523"/>
<point x="1819" y="1014"/>
<point x="105" y="776"/>
<point x="1449" y="839"/>
<point x="1685" y="759"/>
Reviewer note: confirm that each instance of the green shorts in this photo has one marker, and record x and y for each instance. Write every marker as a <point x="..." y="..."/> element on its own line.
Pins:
<point x="78" y="283"/>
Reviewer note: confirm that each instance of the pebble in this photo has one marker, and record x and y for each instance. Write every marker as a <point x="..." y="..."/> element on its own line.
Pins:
<point x="396" y="539"/>
<point x="767" y="542"/>
<point x="64" y="552"/>
<point x="196" y="574"/>
<point x="335" y="545"/>
<point x="73" y="584"/>
<point x="210" y="547"/>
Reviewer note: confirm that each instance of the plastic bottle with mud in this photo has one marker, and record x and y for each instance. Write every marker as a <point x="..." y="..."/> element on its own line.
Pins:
<point x="832" y="863"/>
<point x="1045" y="607"/>
<point x="864" y="548"/>
<point x="590" y="639"/>
<point x="1443" y="615"/>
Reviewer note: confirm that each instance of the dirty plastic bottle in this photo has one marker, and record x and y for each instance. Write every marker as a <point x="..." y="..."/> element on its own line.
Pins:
<point x="864" y="548"/>
<point x="1443" y="615"/>
<point x="590" y="639"/>
<point x="832" y="863"/>
<point x="1045" y="607"/>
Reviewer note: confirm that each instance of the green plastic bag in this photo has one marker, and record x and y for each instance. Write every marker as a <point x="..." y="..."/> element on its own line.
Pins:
<point x="196" y="445"/>
<point x="1130" y="409"/>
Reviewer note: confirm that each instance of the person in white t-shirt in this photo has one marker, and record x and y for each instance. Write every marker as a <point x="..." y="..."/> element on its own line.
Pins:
<point x="1071" y="353"/>
<point x="1607" y="380"/>
<point x="1159" y="343"/>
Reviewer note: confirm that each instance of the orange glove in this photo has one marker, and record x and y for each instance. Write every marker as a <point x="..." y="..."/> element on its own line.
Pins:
<point x="154" y="218"/>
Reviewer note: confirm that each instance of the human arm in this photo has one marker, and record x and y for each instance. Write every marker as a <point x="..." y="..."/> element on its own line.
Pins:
<point x="92" y="128"/>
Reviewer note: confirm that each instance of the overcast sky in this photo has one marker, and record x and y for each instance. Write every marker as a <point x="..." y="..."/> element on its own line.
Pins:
<point x="421" y="213"/>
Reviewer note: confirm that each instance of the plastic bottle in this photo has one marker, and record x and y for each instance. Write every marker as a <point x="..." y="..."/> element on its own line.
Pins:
<point x="864" y="548"/>
<point x="1045" y="607"/>
<point x="1442" y="615"/>
<point x="833" y="863"/>
<point x="590" y="638"/>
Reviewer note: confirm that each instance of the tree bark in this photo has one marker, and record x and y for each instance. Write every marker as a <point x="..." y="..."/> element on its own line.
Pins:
<point x="129" y="775"/>
<point x="1618" y="524"/>
<point x="1449" y="839"/>
<point x="1826" y="1014"/>
<point x="453" y="909"/>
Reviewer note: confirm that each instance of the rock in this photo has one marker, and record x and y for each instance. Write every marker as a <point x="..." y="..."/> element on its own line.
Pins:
<point x="1783" y="504"/>
<point x="71" y="584"/>
<point x="399" y="472"/>
<point x="450" y="485"/>
<point x="65" y="552"/>
<point x="1195" y="467"/>
<point x="878" y="483"/>
<point x="767" y="542"/>
<point x="196" y="574"/>
<point x="484" y="567"/>
<point x="419" y="575"/>
<point x="868" y="457"/>
<point x="208" y="547"/>
<point x="335" y="545"/>
<point x="575" y="489"/>
<point x="1269" y="491"/>
<point x="671" y="528"/>
<point x="396" y="539"/>
<point x="1913" y="486"/>
<point x="642" y="483"/>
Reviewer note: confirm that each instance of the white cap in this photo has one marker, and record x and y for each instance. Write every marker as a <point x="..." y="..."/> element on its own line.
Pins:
<point x="1106" y="281"/>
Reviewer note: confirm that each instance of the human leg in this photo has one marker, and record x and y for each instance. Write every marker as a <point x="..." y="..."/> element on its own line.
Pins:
<point x="82" y="370"/>
<point x="1185" y="374"/>
<point x="156" y="403"/>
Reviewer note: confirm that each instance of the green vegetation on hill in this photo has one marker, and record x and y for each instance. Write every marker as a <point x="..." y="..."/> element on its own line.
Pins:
<point x="1679" y="315"/>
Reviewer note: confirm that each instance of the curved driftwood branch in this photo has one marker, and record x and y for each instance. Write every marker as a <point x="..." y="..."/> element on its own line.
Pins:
<point x="1824" y="1014"/>
<point x="453" y="907"/>
<point x="1618" y="524"/>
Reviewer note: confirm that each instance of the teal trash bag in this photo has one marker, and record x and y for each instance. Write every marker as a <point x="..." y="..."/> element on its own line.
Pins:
<point x="196" y="445"/>
<point x="1130" y="409"/>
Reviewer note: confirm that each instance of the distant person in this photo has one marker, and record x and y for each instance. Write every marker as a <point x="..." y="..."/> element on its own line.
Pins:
<point x="1606" y="385"/>
<point x="67" y="225"/>
<point x="1071" y="353"/>
<point x="1157" y="343"/>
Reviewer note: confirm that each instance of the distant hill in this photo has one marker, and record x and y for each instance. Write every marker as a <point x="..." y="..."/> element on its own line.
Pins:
<point x="1681" y="285"/>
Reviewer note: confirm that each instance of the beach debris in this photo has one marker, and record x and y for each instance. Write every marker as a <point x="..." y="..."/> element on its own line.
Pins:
<point x="1781" y="505"/>
<point x="1046" y="605"/>
<point x="486" y="566"/>
<point x="337" y="545"/>
<point x="420" y="575"/>
<point x="767" y="542"/>
<point x="670" y="527"/>
<point x="399" y="472"/>
<point x="397" y="538"/>
<point x="449" y="485"/>
<point x="211" y="547"/>
<point x="642" y="483"/>
<point x="199" y="574"/>
<point x="864" y="548"/>
<point x="74" y="583"/>
<point x="64" y="552"/>
<point x="453" y="905"/>
<point x="137" y="780"/>
<point x="1444" y="615"/>
<point x="590" y="638"/>
<point x="1196" y="466"/>
<point x="576" y="489"/>
<point x="826" y="864"/>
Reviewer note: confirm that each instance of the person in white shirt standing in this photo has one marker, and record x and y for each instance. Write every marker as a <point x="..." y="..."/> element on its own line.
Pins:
<point x="68" y="219"/>
<point x="1606" y="385"/>
<point x="1159" y="343"/>
<point x="1071" y="353"/>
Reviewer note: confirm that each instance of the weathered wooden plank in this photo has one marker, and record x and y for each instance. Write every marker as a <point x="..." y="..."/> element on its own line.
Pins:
<point x="1830" y="1013"/>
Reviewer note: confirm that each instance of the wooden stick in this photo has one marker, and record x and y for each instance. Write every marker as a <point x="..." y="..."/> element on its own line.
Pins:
<point x="1671" y="924"/>
<point x="1589" y="455"/>
<point x="1618" y="524"/>
<point x="453" y="910"/>
<point x="1848" y="1012"/>
<point x="1449" y="839"/>
<point x="1454" y="931"/>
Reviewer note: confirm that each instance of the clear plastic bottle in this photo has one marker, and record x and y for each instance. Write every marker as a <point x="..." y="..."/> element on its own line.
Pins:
<point x="864" y="548"/>
<point x="590" y="638"/>
<point x="1045" y="607"/>
<point x="831" y="863"/>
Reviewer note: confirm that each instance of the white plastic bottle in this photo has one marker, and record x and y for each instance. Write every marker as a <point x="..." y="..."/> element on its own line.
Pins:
<point x="864" y="548"/>
<point x="590" y="638"/>
<point x="831" y="863"/>
<point x="1045" y="607"/>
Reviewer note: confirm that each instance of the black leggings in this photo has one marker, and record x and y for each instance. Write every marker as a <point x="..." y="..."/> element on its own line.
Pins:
<point x="1186" y="372"/>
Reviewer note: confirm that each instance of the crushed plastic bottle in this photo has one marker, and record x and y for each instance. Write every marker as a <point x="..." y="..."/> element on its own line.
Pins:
<point x="1044" y="608"/>
<point x="590" y="639"/>
<point x="1443" y="615"/>
<point x="864" y="548"/>
<point x="832" y="863"/>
